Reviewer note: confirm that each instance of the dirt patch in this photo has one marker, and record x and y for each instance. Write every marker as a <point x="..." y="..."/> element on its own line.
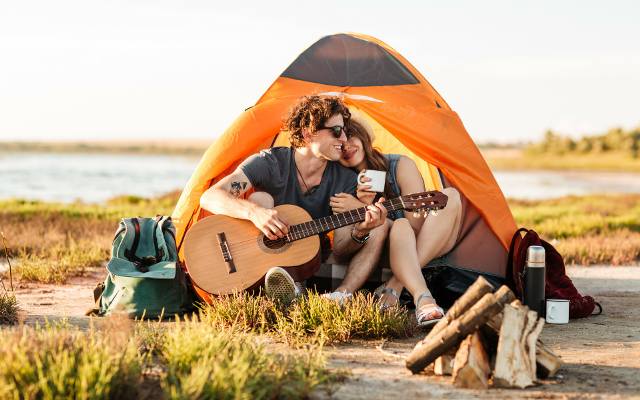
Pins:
<point x="39" y="302"/>
<point x="601" y="354"/>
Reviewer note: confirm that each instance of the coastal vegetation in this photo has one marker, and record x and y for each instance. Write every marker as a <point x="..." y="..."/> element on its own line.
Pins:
<point x="52" y="241"/>
<point x="586" y="230"/>
<point x="311" y="319"/>
<point x="174" y="147"/>
<point x="615" y="150"/>
<point x="126" y="360"/>
<point x="8" y="309"/>
<point x="49" y="242"/>
<point x="209" y="354"/>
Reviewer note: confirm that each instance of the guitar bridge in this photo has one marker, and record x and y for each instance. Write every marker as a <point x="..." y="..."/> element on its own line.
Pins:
<point x="226" y="254"/>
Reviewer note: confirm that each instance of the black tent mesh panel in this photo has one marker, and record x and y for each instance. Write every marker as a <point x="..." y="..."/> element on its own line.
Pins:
<point x="343" y="60"/>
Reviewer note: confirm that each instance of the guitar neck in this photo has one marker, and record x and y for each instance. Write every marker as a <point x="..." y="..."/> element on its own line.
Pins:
<point x="335" y="221"/>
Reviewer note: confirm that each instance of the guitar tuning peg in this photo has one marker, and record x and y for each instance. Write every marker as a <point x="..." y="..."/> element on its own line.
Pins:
<point x="416" y="214"/>
<point x="434" y="212"/>
<point x="425" y="214"/>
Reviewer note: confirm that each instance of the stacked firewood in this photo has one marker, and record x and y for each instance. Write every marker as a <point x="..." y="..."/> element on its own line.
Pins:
<point x="486" y="339"/>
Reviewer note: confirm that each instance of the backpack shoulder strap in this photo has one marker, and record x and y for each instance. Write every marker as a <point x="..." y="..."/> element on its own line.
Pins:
<point x="516" y="237"/>
<point x="513" y="278"/>
<point x="158" y="249"/>
<point x="131" y="253"/>
<point x="169" y="235"/>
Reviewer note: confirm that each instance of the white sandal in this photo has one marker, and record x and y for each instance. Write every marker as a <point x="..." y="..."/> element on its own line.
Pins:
<point x="423" y="313"/>
<point x="383" y="290"/>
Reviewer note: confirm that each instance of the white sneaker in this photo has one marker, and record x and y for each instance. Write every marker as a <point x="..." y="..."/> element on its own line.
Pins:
<point x="279" y="285"/>
<point x="339" y="297"/>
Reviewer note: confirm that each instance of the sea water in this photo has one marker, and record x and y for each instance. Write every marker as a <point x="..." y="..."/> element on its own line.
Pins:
<point x="99" y="177"/>
<point x="91" y="178"/>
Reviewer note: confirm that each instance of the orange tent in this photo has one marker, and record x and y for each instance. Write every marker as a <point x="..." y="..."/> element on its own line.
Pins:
<point x="408" y="117"/>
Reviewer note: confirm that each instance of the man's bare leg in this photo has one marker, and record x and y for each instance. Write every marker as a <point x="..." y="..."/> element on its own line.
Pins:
<point x="365" y="260"/>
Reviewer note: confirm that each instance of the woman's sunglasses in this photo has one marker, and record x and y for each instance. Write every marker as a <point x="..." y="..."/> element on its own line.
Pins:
<point x="337" y="130"/>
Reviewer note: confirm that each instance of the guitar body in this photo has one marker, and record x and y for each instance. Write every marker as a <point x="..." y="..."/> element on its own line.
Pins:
<point x="251" y="258"/>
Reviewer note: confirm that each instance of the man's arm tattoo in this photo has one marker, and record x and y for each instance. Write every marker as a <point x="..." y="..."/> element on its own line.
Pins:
<point x="237" y="188"/>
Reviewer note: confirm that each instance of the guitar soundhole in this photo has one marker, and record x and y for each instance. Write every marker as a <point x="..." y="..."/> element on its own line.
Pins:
<point x="273" y="244"/>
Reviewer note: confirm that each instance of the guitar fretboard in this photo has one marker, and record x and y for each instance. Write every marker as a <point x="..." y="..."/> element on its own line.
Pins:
<point x="325" y="224"/>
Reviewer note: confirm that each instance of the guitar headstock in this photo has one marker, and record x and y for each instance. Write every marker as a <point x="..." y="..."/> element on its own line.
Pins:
<point x="424" y="202"/>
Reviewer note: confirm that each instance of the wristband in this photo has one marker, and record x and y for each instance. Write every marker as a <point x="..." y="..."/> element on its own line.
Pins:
<point x="361" y="240"/>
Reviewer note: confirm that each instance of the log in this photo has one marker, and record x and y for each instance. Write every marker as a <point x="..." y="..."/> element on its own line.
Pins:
<point x="515" y="359"/>
<point x="444" y="364"/>
<point x="547" y="363"/>
<point x="473" y="294"/>
<point x="429" y="349"/>
<point x="532" y="333"/>
<point x="471" y="366"/>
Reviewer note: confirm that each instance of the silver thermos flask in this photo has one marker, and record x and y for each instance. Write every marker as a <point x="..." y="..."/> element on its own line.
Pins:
<point x="534" y="280"/>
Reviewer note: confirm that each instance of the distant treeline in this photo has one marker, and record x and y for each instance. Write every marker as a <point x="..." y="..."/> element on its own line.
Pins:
<point x="188" y="148"/>
<point x="617" y="140"/>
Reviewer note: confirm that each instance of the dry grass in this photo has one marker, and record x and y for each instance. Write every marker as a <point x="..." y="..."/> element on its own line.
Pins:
<point x="311" y="319"/>
<point x="587" y="230"/>
<point x="183" y="360"/>
<point x="517" y="159"/>
<point x="51" y="242"/>
<point x="193" y="147"/>
<point x="202" y="362"/>
<point x="616" y="248"/>
<point x="8" y="309"/>
<point x="60" y="362"/>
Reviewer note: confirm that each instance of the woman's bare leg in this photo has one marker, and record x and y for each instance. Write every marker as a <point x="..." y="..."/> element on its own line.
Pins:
<point x="436" y="237"/>
<point x="407" y="268"/>
<point x="404" y="257"/>
<point x="438" y="234"/>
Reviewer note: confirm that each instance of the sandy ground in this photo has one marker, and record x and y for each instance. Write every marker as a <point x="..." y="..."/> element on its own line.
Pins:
<point x="601" y="354"/>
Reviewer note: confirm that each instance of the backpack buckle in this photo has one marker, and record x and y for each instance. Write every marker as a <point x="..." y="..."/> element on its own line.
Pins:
<point x="143" y="263"/>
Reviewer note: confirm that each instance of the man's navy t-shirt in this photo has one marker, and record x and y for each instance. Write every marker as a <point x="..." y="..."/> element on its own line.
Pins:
<point x="274" y="171"/>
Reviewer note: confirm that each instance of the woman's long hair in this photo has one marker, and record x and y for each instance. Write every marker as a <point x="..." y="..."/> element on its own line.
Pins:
<point x="373" y="158"/>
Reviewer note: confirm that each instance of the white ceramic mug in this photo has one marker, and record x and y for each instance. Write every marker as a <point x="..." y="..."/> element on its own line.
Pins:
<point x="377" y="179"/>
<point x="557" y="311"/>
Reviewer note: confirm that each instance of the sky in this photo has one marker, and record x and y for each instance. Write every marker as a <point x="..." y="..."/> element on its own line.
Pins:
<point x="153" y="69"/>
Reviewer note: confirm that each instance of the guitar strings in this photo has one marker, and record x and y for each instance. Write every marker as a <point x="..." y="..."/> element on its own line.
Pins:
<point x="300" y="230"/>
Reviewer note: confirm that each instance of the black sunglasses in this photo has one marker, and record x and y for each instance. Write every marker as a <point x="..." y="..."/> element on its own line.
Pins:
<point x="337" y="130"/>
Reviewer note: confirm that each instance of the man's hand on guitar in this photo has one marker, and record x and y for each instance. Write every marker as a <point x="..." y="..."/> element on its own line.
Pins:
<point x="375" y="216"/>
<point x="269" y="223"/>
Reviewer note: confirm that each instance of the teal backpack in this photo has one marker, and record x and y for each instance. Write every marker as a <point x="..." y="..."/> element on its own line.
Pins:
<point x="143" y="275"/>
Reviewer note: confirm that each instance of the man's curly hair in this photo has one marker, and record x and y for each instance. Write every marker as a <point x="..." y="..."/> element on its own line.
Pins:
<point x="311" y="113"/>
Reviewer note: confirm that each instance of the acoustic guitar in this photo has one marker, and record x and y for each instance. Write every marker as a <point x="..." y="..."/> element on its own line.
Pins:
<point x="225" y="254"/>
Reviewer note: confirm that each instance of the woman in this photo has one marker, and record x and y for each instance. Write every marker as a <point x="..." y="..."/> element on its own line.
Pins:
<point x="413" y="240"/>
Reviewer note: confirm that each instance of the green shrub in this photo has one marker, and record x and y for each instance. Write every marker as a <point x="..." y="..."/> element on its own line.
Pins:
<point x="8" y="309"/>
<point x="616" y="140"/>
<point x="226" y="364"/>
<point x="57" y="263"/>
<point x="57" y="362"/>
<point x="52" y="242"/>
<point x="311" y="319"/>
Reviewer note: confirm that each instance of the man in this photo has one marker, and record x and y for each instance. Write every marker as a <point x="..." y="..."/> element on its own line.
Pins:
<point x="307" y="175"/>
